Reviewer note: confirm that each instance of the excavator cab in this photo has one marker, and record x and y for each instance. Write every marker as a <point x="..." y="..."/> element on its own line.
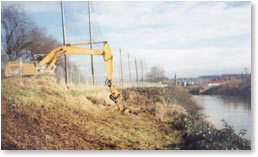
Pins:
<point x="18" y="68"/>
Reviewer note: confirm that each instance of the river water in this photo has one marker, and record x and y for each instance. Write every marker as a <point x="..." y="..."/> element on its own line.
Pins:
<point x="236" y="112"/>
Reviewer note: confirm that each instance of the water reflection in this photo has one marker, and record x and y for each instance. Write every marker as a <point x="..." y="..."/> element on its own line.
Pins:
<point x="235" y="111"/>
<point x="236" y="102"/>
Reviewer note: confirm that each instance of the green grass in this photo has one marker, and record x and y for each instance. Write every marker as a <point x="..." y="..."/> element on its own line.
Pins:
<point x="10" y="95"/>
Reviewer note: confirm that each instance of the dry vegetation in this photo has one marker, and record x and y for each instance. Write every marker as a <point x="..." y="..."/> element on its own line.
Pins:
<point x="162" y="103"/>
<point x="37" y="113"/>
<point x="239" y="88"/>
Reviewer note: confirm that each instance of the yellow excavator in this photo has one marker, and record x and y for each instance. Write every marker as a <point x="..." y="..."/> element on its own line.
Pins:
<point x="46" y="65"/>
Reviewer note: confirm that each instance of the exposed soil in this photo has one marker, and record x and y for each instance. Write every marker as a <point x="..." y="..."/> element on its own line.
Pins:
<point x="39" y="114"/>
<point x="28" y="128"/>
<point x="61" y="119"/>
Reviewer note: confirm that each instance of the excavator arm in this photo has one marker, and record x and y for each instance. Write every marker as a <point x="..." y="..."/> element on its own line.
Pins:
<point x="51" y="58"/>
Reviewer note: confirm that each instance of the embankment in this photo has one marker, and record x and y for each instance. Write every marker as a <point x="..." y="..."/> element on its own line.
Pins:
<point x="176" y="106"/>
<point x="238" y="88"/>
<point x="38" y="113"/>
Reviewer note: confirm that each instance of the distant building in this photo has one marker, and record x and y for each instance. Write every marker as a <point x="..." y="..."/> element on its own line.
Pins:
<point x="185" y="83"/>
<point x="218" y="81"/>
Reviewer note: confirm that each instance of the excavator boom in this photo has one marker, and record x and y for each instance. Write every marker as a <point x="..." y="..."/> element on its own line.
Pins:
<point x="48" y="62"/>
<point x="52" y="56"/>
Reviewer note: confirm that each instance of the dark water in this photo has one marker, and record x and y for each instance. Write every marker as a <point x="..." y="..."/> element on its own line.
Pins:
<point x="236" y="112"/>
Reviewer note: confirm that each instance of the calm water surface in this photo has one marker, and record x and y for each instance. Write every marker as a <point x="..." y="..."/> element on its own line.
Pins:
<point x="236" y="112"/>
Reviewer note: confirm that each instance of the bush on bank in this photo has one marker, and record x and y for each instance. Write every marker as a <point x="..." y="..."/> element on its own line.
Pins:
<point x="198" y="134"/>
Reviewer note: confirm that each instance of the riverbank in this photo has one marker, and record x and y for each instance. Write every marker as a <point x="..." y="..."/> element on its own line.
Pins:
<point x="241" y="88"/>
<point x="233" y="110"/>
<point x="38" y="113"/>
<point x="196" y="132"/>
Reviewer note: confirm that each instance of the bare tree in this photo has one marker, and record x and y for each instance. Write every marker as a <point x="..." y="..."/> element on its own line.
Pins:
<point x="156" y="74"/>
<point x="21" y="38"/>
<point x="15" y="34"/>
<point x="41" y="44"/>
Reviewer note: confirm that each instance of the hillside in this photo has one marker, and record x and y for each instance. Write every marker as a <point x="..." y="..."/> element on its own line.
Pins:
<point x="37" y="113"/>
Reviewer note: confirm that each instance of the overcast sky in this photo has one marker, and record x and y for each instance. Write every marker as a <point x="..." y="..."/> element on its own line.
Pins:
<point x="189" y="38"/>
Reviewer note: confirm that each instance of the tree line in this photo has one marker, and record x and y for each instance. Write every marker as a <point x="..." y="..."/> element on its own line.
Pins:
<point x="21" y="38"/>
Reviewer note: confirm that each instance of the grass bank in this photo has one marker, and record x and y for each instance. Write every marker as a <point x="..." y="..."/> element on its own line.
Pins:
<point x="163" y="103"/>
<point x="38" y="113"/>
<point x="176" y="106"/>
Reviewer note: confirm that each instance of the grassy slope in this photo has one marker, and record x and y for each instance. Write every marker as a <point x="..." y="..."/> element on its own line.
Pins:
<point x="39" y="114"/>
<point x="154" y="98"/>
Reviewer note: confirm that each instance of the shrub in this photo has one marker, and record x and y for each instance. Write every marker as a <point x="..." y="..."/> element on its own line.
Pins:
<point x="202" y="135"/>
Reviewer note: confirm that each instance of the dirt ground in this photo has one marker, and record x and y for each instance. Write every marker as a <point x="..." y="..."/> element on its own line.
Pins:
<point x="38" y="114"/>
